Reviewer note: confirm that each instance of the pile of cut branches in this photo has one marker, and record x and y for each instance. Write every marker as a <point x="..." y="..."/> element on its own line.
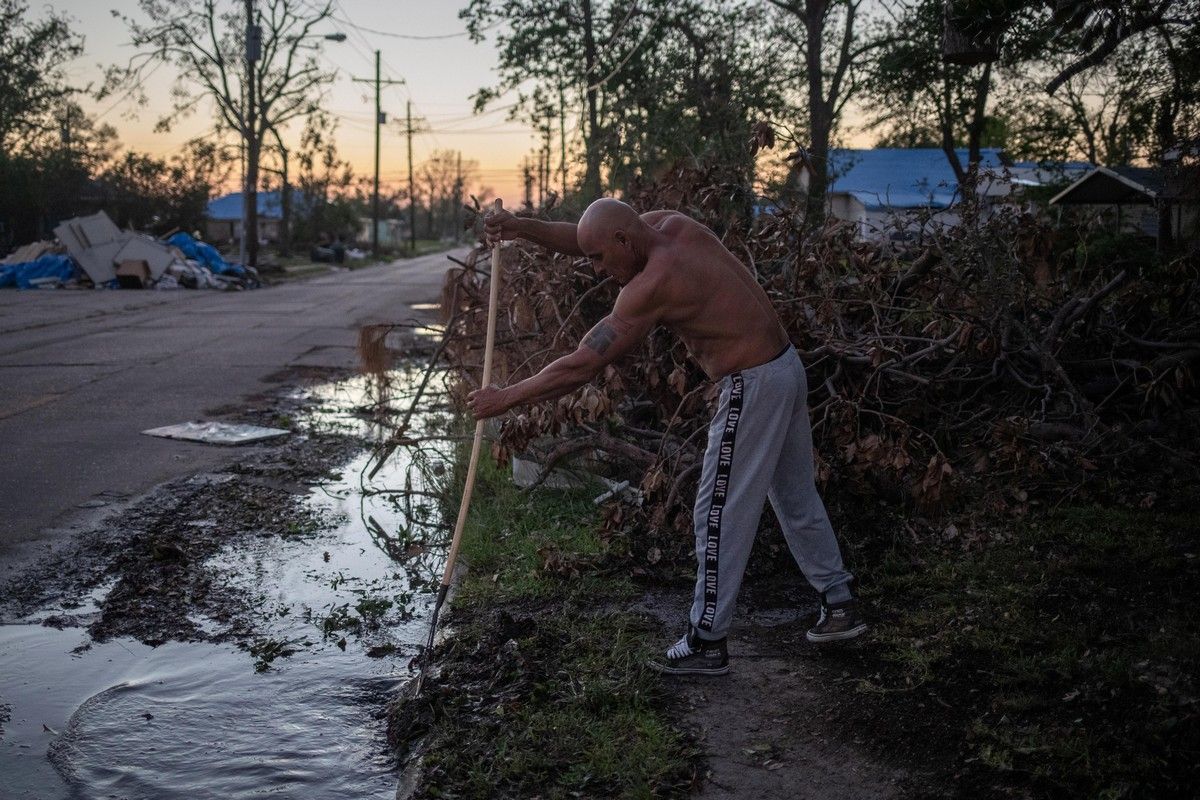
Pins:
<point x="981" y="367"/>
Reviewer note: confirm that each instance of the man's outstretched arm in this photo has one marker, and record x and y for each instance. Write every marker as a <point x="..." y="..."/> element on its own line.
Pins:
<point x="558" y="236"/>
<point x="630" y="322"/>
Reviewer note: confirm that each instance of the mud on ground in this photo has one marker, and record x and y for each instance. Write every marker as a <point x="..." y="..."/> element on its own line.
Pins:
<point x="771" y="727"/>
<point x="142" y="571"/>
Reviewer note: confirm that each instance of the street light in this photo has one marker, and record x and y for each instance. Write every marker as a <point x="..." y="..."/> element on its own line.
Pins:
<point x="332" y="37"/>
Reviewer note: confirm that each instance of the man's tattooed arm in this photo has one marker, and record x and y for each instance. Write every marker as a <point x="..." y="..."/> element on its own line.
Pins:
<point x="607" y="341"/>
<point x="600" y="338"/>
<point x="608" y="330"/>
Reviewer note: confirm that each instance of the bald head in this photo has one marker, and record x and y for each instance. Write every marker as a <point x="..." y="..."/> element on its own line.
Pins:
<point x="615" y="238"/>
<point x="605" y="217"/>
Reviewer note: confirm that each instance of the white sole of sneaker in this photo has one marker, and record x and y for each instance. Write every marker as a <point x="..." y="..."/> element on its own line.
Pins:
<point x="688" y="671"/>
<point x="857" y="630"/>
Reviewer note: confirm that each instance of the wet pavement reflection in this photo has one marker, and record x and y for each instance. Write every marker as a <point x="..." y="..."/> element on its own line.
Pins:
<point x="295" y="705"/>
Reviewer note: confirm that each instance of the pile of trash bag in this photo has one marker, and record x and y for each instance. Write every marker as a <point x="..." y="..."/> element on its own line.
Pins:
<point x="92" y="251"/>
<point x="48" y="271"/>
<point x="204" y="254"/>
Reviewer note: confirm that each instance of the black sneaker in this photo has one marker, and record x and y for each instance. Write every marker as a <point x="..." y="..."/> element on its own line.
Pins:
<point x="838" y="621"/>
<point x="692" y="655"/>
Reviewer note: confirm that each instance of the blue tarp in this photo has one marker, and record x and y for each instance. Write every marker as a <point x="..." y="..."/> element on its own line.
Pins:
<point x="206" y="254"/>
<point x="48" y="266"/>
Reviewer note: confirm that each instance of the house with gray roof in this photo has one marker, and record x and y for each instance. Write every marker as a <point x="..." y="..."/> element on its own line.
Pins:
<point x="1129" y="199"/>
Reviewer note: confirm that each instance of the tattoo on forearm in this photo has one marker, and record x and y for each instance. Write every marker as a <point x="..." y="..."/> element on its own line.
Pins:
<point x="600" y="338"/>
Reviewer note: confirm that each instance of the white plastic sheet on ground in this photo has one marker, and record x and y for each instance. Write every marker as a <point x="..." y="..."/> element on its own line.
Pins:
<point x="224" y="433"/>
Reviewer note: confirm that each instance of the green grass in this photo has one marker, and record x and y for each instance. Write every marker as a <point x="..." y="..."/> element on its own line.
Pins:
<point x="534" y="545"/>
<point x="1072" y="648"/>
<point x="544" y="689"/>
<point x="574" y="712"/>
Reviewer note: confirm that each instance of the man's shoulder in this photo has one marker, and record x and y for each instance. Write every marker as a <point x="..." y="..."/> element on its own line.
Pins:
<point x="656" y="218"/>
<point x="646" y="291"/>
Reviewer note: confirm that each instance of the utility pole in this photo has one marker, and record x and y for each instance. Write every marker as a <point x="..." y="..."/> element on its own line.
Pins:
<point x="242" y="238"/>
<point x="380" y="118"/>
<point x="562" y="139"/>
<point x="528" y="175"/>
<point x="541" y="175"/>
<point x="412" y="193"/>
<point x="458" y="197"/>
<point x="249" y="247"/>
<point x="549" y="147"/>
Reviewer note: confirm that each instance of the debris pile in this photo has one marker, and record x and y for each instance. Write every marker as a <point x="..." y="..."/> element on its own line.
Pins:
<point x="93" y="251"/>
<point x="945" y="376"/>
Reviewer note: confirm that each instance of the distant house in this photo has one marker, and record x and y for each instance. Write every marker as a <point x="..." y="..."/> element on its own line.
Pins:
<point x="1130" y="197"/>
<point x="891" y="192"/>
<point x="224" y="218"/>
<point x="393" y="233"/>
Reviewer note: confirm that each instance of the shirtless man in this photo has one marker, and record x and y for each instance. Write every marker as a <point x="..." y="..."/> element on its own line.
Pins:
<point x="674" y="272"/>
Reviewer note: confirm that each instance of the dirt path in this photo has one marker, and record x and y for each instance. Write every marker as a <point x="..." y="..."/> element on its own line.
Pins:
<point x="769" y="729"/>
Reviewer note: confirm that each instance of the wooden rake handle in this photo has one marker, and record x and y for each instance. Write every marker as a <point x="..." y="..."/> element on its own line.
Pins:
<point x="477" y="443"/>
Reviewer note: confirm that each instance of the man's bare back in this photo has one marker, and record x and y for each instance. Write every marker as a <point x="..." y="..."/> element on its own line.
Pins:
<point x="708" y="298"/>
<point x="673" y="272"/>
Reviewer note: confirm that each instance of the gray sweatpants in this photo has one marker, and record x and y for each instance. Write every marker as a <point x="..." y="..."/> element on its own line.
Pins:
<point x="760" y="446"/>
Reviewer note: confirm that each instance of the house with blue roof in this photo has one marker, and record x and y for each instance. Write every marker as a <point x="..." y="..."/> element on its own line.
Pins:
<point x="224" y="223"/>
<point x="891" y="192"/>
<point x="224" y="217"/>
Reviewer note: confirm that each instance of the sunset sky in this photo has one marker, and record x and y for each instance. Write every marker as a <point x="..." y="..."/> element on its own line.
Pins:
<point x="441" y="74"/>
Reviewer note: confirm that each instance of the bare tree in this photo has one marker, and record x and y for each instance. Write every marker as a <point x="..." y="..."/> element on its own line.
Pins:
<point x="827" y="34"/>
<point x="441" y="179"/>
<point x="251" y="62"/>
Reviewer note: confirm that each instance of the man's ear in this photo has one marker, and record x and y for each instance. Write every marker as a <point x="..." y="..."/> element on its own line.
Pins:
<point x="621" y="238"/>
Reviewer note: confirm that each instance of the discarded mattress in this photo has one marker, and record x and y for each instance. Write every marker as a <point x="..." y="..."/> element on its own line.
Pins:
<point x="223" y="433"/>
<point x="92" y="242"/>
<point x="49" y="270"/>
<point x="98" y="246"/>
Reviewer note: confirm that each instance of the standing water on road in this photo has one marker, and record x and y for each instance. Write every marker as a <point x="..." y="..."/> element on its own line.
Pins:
<point x="300" y="628"/>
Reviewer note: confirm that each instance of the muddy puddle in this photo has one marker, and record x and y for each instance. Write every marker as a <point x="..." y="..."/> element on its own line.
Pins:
<point x="225" y="645"/>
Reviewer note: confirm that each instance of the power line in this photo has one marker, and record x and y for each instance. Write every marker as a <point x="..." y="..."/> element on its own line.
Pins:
<point x="417" y="37"/>
<point x="488" y="131"/>
<point x="129" y="92"/>
<point x="354" y="30"/>
<point x="631" y="52"/>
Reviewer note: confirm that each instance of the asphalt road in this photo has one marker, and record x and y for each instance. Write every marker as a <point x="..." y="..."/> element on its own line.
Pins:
<point x="83" y="372"/>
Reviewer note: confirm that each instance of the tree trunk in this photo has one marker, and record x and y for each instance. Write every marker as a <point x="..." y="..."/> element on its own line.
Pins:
<point x="254" y="137"/>
<point x="253" y="150"/>
<point x="285" y="210"/>
<point x="968" y="182"/>
<point x="1165" y="133"/>
<point x="946" y="123"/>
<point x="591" y="175"/>
<point x="820" y="112"/>
<point x="978" y="119"/>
